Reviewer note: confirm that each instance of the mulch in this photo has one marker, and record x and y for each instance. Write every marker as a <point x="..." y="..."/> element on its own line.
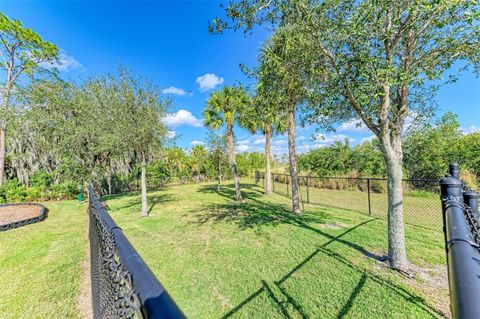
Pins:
<point x="10" y="214"/>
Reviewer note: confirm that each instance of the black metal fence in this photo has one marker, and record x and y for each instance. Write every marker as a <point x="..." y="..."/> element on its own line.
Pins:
<point x="462" y="244"/>
<point x="123" y="286"/>
<point x="366" y="195"/>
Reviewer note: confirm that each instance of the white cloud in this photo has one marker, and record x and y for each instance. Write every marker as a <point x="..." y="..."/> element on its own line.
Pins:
<point x="182" y="117"/>
<point x="208" y="81"/>
<point x="352" y="126"/>
<point x="324" y="140"/>
<point x="259" y="140"/>
<point x="469" y="130"/>
<point x="171" y="134"/>
<point x="175" y="91"/>
<point x="65" y="63"/>
<point x="242" y="148"/>
<point x="243" y="142"/>
<point x="195" y="142"/>
<point x="367" y="139"/>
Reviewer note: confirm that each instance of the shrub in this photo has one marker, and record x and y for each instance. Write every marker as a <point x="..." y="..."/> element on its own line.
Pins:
<point x="13" y="191"/>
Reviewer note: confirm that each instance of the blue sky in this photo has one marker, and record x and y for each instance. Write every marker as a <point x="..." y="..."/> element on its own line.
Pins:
<point x="169" y="42"/>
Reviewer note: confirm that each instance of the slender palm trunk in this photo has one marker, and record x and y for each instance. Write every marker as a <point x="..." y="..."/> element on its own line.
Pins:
<point x="393" y="155"/>
<point x="233" y="162"/>
<point x="292" y="155"/>
<point x="3" y="130"/>
<point x="3" y="149"/>
<point x="143" y="182"/>
<point x="109" y="182"/>
<point x="268" y="173"/>
<point x="219" y="173"/>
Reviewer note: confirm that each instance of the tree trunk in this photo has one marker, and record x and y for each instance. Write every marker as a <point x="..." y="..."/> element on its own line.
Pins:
<point x="3" y="128"/>
<point x="268" y="173"/>
<point x="233" y="162"/>
<point x="109" y="182"/>
<point x="143" y="182"/>
<point x="292" y="155"/>
<point x="393" y="155"/>
<point x="219" y="174"/>
<point x="3" y="149"/>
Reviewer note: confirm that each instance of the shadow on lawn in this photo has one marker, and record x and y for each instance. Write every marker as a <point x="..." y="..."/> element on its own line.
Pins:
<point x="254" y="213"/>
<point x="364" y="276"/>
<point x="134" y="200"/>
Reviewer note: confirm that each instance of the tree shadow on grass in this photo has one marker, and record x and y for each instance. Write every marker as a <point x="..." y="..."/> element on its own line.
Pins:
<point x="153" y="200"/>
<point x="131" y="193"/>
<point x="408" y="296"/>
<point x="227" y="191"/>
<point x="254" y="214"/>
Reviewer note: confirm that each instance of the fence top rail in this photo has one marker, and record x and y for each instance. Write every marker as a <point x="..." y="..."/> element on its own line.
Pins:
<point x="155" y="301"/>
<point x="360" y="178"/>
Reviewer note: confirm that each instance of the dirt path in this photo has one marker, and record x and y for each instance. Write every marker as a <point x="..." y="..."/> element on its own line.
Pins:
<point x="84" y="301"/>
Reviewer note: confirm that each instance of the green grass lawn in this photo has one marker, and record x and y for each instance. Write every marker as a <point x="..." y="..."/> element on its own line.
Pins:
<point x="219" y="259"/>
<point x="40" y="264"/>
<point x="257" y="260"/>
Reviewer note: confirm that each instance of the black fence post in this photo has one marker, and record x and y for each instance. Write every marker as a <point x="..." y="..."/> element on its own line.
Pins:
<point x="257" y="177"/>
<point x="461" y="248"/>
<point x="308" y="188"/>
<point x="369" y="200"/>
<point x="470" y="197"/>
<point x="273" y="182"/>
<point x="454" y="170"/>
<point x="288" y="194"/>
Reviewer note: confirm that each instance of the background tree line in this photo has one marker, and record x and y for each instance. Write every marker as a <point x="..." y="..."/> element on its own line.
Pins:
<point x="428" y="150"/>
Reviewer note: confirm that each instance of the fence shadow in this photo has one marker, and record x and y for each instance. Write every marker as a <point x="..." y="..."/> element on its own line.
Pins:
<point x="364" y="275"/>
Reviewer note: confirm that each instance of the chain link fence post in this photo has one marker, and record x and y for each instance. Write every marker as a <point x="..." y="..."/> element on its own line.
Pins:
<point x="470" y="197"/>
<point x="462" y="239"/>
<point x="288" y="194"/>
<point x="369" y="199"/>
<point x="308" y="188"/>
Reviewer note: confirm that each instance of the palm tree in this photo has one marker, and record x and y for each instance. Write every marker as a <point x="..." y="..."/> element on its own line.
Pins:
<point x="225" y="107"/>
<point x="268" y="120"/>
<point x="282" y="69"/>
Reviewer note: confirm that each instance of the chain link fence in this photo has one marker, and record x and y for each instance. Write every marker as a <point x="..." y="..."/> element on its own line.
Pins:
<point x="462" y="244"/>
<point x="366" y="195"/>
<point x="122" y="284"/>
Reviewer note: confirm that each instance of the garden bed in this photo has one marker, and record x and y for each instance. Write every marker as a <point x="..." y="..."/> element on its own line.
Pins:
<point x="16" y="215"/>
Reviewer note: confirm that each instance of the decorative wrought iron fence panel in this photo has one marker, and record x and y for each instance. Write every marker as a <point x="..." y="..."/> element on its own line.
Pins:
<point x="366" y="195"/>
<point x="122" y="284"/>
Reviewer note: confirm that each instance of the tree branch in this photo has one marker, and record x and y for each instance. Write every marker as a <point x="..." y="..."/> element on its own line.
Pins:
<point x="348" y="92"/>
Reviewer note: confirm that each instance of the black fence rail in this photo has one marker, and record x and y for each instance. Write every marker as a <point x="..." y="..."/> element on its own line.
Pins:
<point x="123" y="286"/>
<point x="462" y="244"/>
<point x="366" y="195"/>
